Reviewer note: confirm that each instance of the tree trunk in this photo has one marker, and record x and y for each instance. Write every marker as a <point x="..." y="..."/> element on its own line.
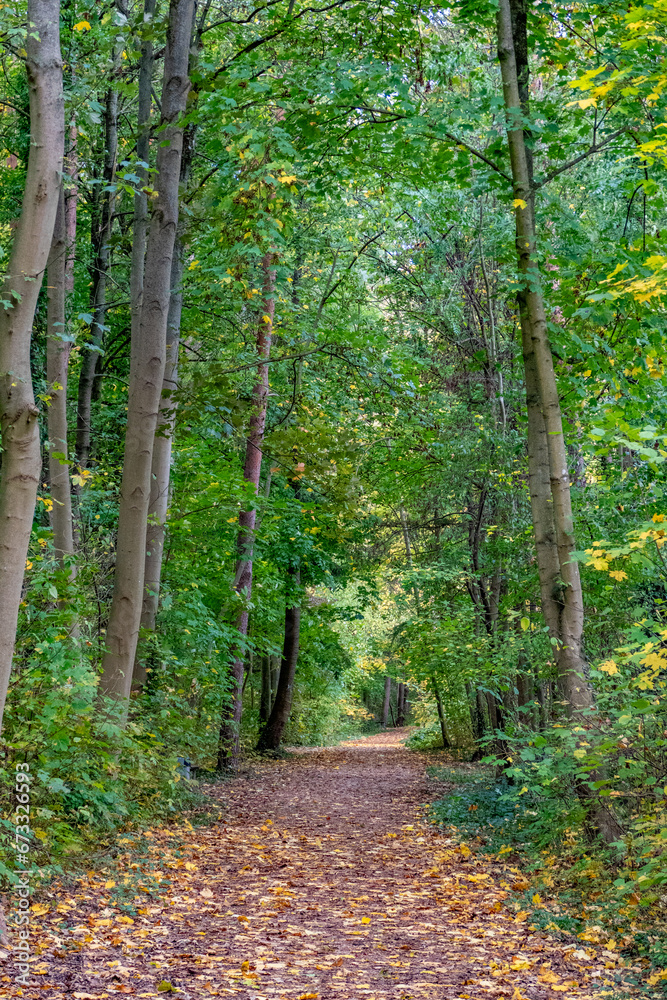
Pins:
<point x="71" y="168"/>
<point x="140" y="221"/>
<point x="275" y="675"/>
<point x="147" y="361"/>
<point x="93" y="348"/>
<point x="400" y="705"/>
<point x="21" y="457"/>
<point x="228" y="750"/>
<point x="57" y="358"/>
<point x="271" y="735"/>
<point x="265" y="701"/>
<point x="385" y="704"/>
<point x="162" y="445"/>
<point x="161" y="467"/>
<point x="441" y="714"/>
<point x="575" y="688"/>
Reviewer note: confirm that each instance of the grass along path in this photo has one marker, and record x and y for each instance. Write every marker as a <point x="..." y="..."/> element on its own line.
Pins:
<point x="321" y="881"/>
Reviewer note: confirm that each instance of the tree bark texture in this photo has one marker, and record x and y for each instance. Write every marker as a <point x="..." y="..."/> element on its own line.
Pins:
<point x="140" y="221"/>
<point x="71" y="168"/>
<point x="101" y="236"/>
<point x="57" y="359"/>
<point x="147" y="362"/>
<point x="21" y="458"/>
<point x="385" y="703"/>
<point x="271" y="736"/>
<point x="571" y="665"/>
<point x="229" y="731"/>
<point x="161" y="465"/>
<point x="164" y="434"/>
<point x="567" y="594"/>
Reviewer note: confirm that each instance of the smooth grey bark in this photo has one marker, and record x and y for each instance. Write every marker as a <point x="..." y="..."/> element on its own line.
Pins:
<point x="271" y="735"/>
<point x="161" y="467"/>
<point x="140" y="221"/>
<point x="164" y="434"/>
<point x="574" y="686"/>
<point x="147" y="362"/>
<point x="21" y="457"/>
<point x="101" y="237"/>
<point x="385" y="703"/>
<point x="57" y="359"/>
<point x="571" y="664"/>
<point x="228" y="746"/>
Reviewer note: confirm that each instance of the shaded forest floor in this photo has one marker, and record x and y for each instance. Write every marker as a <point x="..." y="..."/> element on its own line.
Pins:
<point x="321" y="880"/>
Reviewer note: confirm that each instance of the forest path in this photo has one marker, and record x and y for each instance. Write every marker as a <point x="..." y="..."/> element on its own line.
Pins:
<point x="320" y="882"/>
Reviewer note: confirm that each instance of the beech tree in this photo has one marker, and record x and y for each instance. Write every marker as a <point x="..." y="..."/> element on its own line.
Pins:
<point x="21" y="459"/>
<point x="147" y="365"/>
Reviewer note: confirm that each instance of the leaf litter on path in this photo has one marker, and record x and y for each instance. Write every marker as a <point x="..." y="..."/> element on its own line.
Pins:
<point x="322" y="882"/>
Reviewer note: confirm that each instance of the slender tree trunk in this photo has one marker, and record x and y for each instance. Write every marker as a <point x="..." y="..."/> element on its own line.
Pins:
<point x="228" y="751"/>
<point x="571" y="664"/>
<point x="574" y="686"/>
<point x="91" y="355"/>
<point x="140" y="222"/>
<point x="441" y="714"/>
<point x="271" y="736"/>
<point x="57" y="358"/>
<point x="265" y="700"/>
<point x="539" y="482"/>
<point x="385" y="704"/>
<point x="161" y="467"/>
<point x="21" y="457"/>
<point x="162" y="446"/>
<point x="275" y="675"/>
<point x="147" y="361"/>
<point x="400" y="705"/>
<point x="71" y="167"/>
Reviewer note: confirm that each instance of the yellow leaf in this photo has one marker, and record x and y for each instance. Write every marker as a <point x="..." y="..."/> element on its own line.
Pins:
<point x="658" y="518"/>
<point x="519" y="963"/>
<point x="266" y="318"/>
<point x="618" y="574"/>
<point x="609" y="667"/>
<point x="309" y="996"/>
<point x="519" y="203"/>
<point x="110" y="884"/>
<point x="39" y="909"/>
<point x="365" y="920"/>
<point x="82" y="26"/>
<point x="617" y="270"/>
<point x="537" y="900"/>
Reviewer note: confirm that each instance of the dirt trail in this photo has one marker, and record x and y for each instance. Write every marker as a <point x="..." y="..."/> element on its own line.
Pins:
<point x="321" y="883"/>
